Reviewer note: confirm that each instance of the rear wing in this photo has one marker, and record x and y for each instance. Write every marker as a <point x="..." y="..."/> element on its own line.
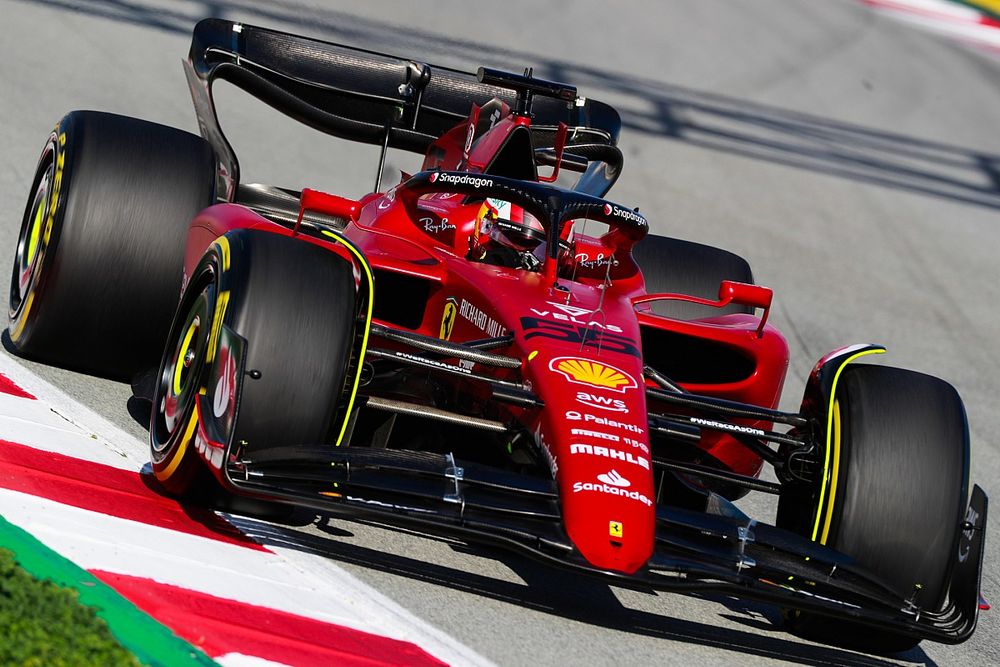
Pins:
<point x="356" y="94"/>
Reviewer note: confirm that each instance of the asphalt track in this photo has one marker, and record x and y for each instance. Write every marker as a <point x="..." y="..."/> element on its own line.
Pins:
<point x="853" y="160"/>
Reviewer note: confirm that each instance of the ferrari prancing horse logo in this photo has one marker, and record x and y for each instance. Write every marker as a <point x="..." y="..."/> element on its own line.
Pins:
<point x="448" y="318"/>
<point x="615" y="529"/>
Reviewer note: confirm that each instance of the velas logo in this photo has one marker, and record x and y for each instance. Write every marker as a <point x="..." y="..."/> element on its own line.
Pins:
<point x="572" y="311"/>
<point x="593" y="373"/>
<point x="624" y="213"/>
<point x="462" y="179"/>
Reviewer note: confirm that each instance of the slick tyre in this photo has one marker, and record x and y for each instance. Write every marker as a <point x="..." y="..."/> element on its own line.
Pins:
<point x="294" y="303"/>
<point x="897" y="493"/>
<point x="683" y="267"/>
<point x="100" y="252"/>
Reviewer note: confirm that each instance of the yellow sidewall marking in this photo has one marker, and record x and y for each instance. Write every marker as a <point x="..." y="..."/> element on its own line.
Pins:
<point x="836" y="470"/>
<point x="181" y="448"/>
<point x="368" y="321"/>
<point x="56" y="186"/>
<point x="179" y="364"/>
<point x="223" y="244"/>
<point x="36" y="231"/>
<point x="830" y="445"/>
<point x="220" y="312"/>
<point x="56" y="189"/>
<point x="21" y="321"/>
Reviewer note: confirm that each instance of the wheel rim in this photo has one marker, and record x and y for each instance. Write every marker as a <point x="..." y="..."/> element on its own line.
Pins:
<point x="182" y="369"/>
<point x="28" y="255"/>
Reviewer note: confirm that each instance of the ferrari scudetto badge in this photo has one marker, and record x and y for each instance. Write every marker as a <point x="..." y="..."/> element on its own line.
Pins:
<point x="448" y="318"/>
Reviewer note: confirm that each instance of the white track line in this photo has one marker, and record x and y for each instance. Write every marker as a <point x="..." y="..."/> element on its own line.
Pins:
<point x="285" y="580"/>
<point x="131" y="454"/>
<point x="958" y="21"/>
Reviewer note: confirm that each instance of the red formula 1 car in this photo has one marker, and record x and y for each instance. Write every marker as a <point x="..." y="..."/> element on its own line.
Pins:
<point x="482" y="352"/>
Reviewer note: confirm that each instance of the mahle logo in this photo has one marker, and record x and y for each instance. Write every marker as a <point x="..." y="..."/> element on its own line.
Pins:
<point x="593" y="373"/>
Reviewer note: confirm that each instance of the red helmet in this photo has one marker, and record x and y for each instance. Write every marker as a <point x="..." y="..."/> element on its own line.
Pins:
<point x="509" y="225"/>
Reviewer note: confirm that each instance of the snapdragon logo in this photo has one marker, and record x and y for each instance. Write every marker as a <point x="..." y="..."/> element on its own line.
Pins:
<point x="464" y="179"/>
<point x="624" y="213"/>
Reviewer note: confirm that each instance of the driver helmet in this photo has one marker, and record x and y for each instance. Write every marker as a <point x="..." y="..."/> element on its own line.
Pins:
<point x="509" y="225"/>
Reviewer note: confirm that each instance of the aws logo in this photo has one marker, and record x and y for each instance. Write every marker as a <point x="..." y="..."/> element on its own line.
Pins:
<point x="593" y="373"/>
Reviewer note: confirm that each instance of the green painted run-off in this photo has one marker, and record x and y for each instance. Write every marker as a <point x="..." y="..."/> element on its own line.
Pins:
<point x="151" y="642"/>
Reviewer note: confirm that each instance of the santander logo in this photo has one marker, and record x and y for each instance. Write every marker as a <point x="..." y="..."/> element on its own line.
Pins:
<point x="614" y="479"/>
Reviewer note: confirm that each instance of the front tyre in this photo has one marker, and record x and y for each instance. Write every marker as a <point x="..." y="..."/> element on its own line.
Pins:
<point x="896" y="493"/>
<point x="294" y="303"/>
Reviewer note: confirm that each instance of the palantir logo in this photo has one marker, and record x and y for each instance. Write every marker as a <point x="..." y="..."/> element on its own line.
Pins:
<point x="614" y="479"/>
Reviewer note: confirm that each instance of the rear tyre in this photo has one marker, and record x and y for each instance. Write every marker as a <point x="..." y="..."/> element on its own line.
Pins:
<point x="897" y="496"/>
<point x="101" y="248"/>
<point x="684" y="267"/>
<point x="295" y="304"/>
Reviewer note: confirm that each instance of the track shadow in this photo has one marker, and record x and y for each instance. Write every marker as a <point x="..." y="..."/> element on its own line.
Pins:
<point x="569" y="595"/>
<point x="710" y="121"/>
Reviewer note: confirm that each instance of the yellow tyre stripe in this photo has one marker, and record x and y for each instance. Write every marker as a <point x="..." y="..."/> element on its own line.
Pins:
<point x="368" y="320"/>
<point x="828" y="471"/>
<point x="179" y="364"/>
<point x="181" y="448"/>
<point x="23" y="319"/>
<point x="836" y="470"/>
<point x="221" y="303"/>
<point x="223" y="244"/>
<point x="36" y="232"/>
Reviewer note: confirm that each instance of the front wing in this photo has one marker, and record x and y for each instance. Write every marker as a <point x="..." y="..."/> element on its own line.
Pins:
<point x="726" y="553"/>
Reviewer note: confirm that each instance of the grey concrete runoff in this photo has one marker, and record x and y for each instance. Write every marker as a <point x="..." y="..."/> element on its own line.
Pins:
<point x="853" y="160"/>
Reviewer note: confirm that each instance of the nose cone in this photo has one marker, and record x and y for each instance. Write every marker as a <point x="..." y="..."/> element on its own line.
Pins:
<point x="610" y="519"/>
<point x="596" y="435"/>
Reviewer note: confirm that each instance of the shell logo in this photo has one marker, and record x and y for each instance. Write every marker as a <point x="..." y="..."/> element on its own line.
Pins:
<point x="593" y="374"/>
